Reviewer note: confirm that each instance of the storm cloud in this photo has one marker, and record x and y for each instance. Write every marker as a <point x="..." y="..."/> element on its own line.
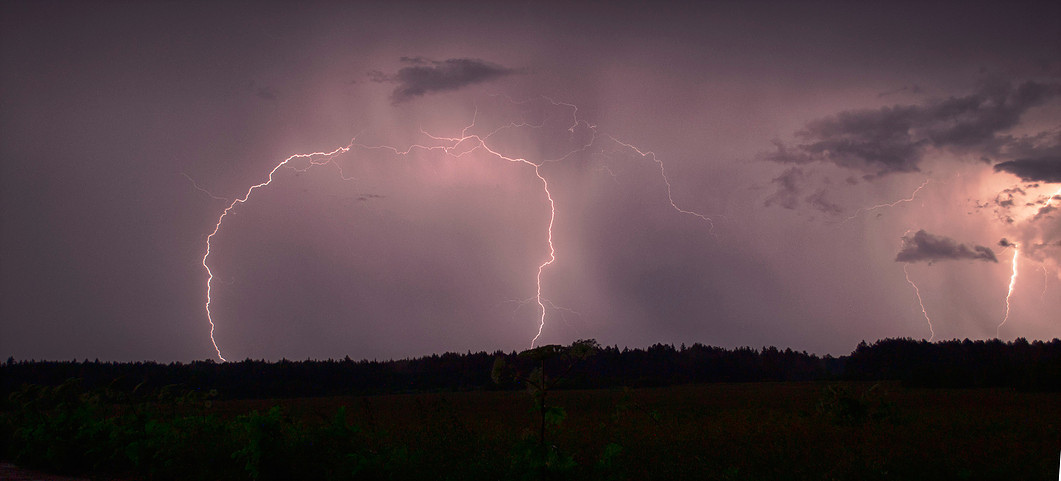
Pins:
<point x="925" y="247"/>
<point x="424" y="76"/>
<point x="1042" y="169"/>
<point x="788" y="189"/>
<point x="106" y="118"/>
<point x="897" y="138"/>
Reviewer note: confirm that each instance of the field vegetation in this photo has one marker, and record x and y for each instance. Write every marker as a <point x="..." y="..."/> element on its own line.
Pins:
<point x="534" y="418"/>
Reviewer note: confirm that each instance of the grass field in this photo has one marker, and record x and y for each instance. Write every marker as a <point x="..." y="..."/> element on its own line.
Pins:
<point x="817" y="431"/>
<point x="717" y="431"/>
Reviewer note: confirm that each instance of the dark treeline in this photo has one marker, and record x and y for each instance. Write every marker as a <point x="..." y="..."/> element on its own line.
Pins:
<point x="1018" y="364"/>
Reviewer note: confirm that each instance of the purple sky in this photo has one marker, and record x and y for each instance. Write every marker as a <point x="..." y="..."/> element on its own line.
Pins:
<point x="792" y="127"/>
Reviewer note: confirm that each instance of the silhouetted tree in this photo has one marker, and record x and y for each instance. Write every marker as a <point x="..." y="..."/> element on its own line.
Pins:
<point x="538" y="381"/>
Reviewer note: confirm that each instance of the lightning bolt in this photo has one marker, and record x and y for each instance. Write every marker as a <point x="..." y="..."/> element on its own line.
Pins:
<point x="563" y="311"/>
<point x="552" y="249"/>
<point x="481" y="143"/>
<point x="666" y="181"/>
<point x="201" y="189"/>
<point x="1051" y="199"/>
<point x="1012" y="282"/>
<point x="459" y="146"/>
<point x="913" y="195"/>
<point x="221" y="219"/>
<point x="917" y="292"/>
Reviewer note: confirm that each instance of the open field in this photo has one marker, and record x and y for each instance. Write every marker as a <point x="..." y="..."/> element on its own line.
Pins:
<point x="768" y="430"/>
<point x="957" y="410"/>
<point x="728" y="431"/>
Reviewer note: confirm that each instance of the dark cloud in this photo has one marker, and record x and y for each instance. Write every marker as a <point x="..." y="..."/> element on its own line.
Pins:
<point x="1008" y="197"/>
<point x="926" y="247"/>
<point x="895" y="139"/>
<point x="1042" y="144"/>
<point x="1043" y="169"/>
<point x="788" y="189"/>
<point x="423" y="76"/>
<point x="818" y="201"/>
<point x="378" y="76"/>
<point x="368" y="197"/>
<point x="1044" y="211"/>
<point x="791" y="185"/>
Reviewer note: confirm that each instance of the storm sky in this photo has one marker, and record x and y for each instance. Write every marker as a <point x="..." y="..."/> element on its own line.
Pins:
<point x="814" y="151"/>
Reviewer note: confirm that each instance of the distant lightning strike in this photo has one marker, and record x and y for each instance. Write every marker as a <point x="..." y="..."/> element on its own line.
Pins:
<point x="1013" y="274"/>
<point x="479" y="143"/>
<point x="1014" y="263"/>
<point x="913" y="196"/>
<point x="917" y="292"/>
<point x="201" y="189"/>
<point x="663" y="175"/>
<point x="552" y="249"/>
<point x="1012" y="283"/>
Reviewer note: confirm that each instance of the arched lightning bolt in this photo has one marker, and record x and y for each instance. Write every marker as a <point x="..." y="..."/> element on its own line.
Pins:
<point x="220" y="219"/>
<point x="481" y="142"/>
<point x="456" y="147"/>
